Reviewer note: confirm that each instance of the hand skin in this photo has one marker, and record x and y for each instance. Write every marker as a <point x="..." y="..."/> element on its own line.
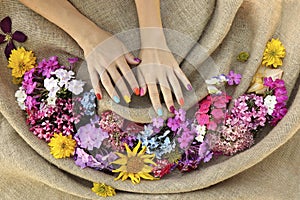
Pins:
<point x="158" y="66"/>
<point x="88" y="36"/>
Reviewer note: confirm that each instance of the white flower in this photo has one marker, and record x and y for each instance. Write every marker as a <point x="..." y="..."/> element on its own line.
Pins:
<point x="22" y="105"/>
<point x="201" y="131"/>
<point x="20" y="95"/>
<point x="223" y="78"/>
<point x="64" y="76"/>
<point x="213" y="90"/>
<point x="213" y="81"/>
<point x="270" y="102"/>
<point x="51" y="100"/>
<point x="76" y="86"/>
<point x="51" y="85"/>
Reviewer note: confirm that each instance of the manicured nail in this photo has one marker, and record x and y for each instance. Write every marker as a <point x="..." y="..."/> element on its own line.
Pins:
<point x="160" y="112"/>
<point x="172" y="109"/>
<point x="181" y="101"/>
<point x="142" y="92"/>
<point x="127" y="99"/>
<point x="189" y="87"/>
<point x="116" y="99"/>
<point x="136" y="91"/>
<point x="137" y="60"/>
<point x="98" y="96"/>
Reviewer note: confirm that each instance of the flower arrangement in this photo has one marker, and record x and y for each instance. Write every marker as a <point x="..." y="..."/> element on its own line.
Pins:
<point x="59" y="112"/>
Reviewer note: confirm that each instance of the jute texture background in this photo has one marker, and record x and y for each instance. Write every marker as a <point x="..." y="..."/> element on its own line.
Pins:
<point x="269" y="170"/>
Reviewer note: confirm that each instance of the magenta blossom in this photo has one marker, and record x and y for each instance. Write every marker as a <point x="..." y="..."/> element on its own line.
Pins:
<point x="234" y="79"/>
<point x="174" y="124"/>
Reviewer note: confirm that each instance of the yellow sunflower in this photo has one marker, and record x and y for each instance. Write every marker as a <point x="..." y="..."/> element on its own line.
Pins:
<point x="21" y="61"/>
<point x="134" y="164"/>
<point x="103" y="190"/>
<point x="62" y="146"/>
<point x="274" y="53"/>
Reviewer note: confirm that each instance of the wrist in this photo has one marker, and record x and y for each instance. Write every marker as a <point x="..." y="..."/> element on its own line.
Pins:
<point x="153" y="37"/>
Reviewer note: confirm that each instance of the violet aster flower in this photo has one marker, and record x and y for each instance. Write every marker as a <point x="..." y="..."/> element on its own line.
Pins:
<point x="173" y="124"/>
<point x="157" y="122"/>
<point x="234" y="79"/>
<point x="9" y="37"/>
<point x="180" y="114"/>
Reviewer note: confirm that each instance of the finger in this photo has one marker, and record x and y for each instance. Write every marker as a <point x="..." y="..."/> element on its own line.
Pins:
<point x="106" y="82"/>
<point x="154" y="97"/>
<point x="167" y="93"/>
<point x="142" y="83"/>
<point x="94" y="76"/>
<point x="176" y="88"/>
<point x="182" y="77"/>
<point x="119" y="83"/>
<point x="127" y="73"/>
<point x="131" y="59"/>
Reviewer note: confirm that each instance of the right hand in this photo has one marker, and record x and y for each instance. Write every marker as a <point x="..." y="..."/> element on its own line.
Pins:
<point x="107" y="60"/>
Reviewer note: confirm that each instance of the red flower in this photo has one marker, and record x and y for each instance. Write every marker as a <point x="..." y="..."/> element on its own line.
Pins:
<point x="18" y="36"/>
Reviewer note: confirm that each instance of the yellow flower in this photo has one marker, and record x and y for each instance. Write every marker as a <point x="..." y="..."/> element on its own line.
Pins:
<point x="21" y="61"/>
<point x="134" y="164"/>
<point x="274" y="53"/>
<point x="62" y="146"/>
<point x="103" y="190"/>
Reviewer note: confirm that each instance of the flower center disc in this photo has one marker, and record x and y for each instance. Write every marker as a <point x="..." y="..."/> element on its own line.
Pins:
<point x="135" y="165"/>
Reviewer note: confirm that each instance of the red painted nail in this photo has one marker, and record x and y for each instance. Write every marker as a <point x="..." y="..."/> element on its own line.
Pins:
<point x="181" y="101"/>
<point x="136" y="91"/>
<point x="142" y="92"/>
<point x="98" y="96"/>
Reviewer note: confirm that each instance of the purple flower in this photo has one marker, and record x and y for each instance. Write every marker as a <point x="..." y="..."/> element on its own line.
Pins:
<point x="180" y="114"/>
<point x="157" y="122"/>
<point x="234" y="79"/>
<point x="173" y="124"/>
<point x="185" y="140"/>
<point x="46" y="67"/>
<point x="9" y="37"/>
<point x="82" y="159"/>
<point x="89" y="137"/>
<point x="268" y="82"/>
<point x="204" y="152"/>
<point x="73" y="60"/>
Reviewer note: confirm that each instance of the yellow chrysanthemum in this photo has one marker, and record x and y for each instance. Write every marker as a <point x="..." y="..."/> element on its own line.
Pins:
<point x="103" y="190"/>
<point x="62" y="146"/>
<point x="21" y="61"/>
<point x="134" y="164"/>
<point x="274" y="53"/>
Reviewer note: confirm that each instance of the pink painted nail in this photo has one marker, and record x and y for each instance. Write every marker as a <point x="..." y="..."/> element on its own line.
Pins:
<point x="142" y="92"/>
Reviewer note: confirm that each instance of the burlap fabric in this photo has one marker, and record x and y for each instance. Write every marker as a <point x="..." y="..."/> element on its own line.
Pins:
<point x="224" y="28"/>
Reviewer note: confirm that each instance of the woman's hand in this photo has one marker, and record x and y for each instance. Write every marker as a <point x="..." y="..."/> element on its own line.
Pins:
<point x="159" y="67"/>
<point x="108" y="60"/>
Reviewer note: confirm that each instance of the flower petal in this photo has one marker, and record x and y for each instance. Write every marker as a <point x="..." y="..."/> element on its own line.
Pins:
<point x="9" y="47"/>
<point x="19" y="36"/>
<point x="2" y="38"/>
<point x="5" y="25"/>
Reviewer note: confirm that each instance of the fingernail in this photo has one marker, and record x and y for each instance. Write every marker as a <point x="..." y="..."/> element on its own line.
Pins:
<point x="137" y="60"/>
<point x="142" y="92"/>
<point x="98" y="96"/>
<point x="189" y="87"/>
<point x="116" y="99"/>
<point x="127" y="99"/>
<point x="172" y="109"/>
<point x="181" y="101"/>
<point x="160" y="112"/>
<point x="136" y="91"/>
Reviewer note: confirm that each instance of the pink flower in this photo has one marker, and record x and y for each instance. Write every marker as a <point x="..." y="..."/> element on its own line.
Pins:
<point x="212" y="125"/>
<point x="185" y="140"/>
<point x="202" y="119"/>
<point x="204" y="106"/>
<point x="218" y="114"/>
<point x="157" y="122"/>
